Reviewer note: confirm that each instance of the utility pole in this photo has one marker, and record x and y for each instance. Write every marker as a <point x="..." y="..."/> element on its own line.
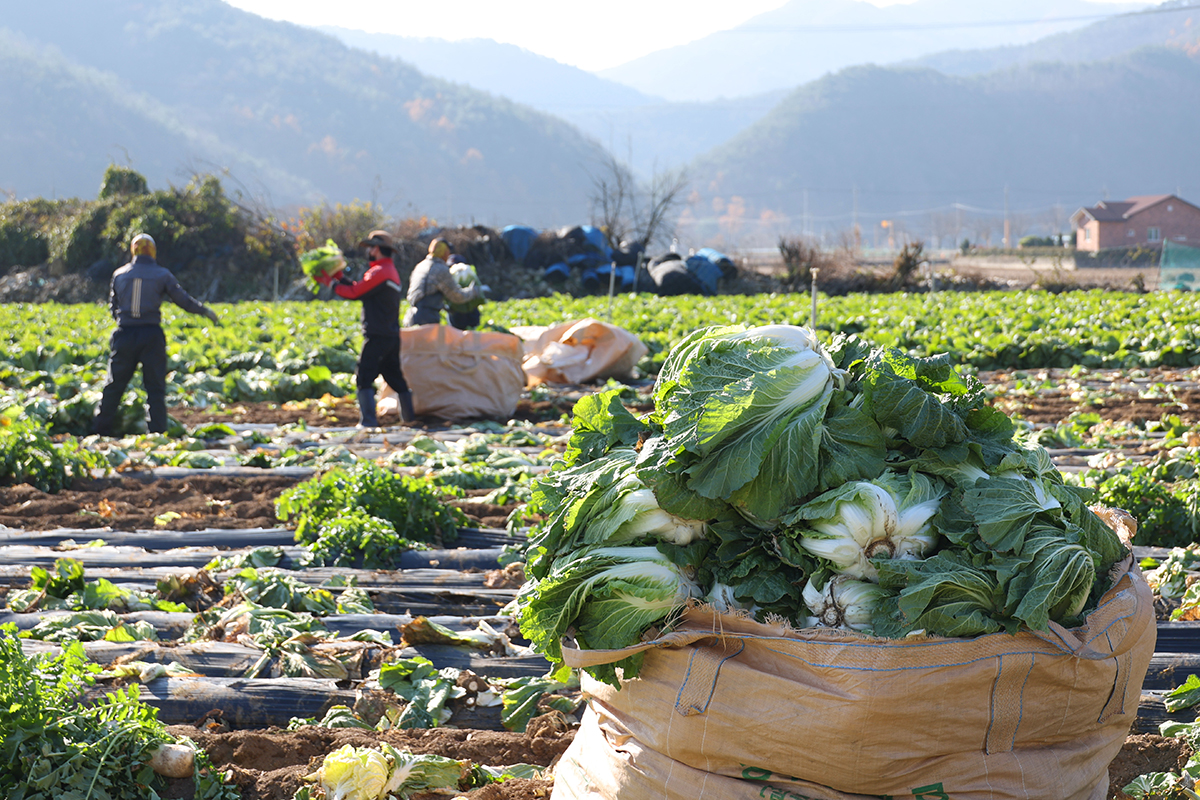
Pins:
<point x="1007" y="221"/>
<point x="957" y="223"/>
<point x="854" y="231"/>
<point x="806" y="233"/>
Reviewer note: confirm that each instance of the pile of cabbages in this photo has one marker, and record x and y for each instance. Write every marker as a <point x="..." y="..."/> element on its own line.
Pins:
<point x="845" y="486"/>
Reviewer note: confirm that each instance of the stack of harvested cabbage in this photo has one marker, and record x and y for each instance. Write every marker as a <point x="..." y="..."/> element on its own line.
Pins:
<point x="848" y="486"/>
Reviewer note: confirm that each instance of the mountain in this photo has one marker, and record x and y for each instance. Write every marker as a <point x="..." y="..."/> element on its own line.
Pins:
<point x="805" y="39"/>
<point x="1176" y="24"/>
<point x="646" y="131"/>
<point x="347" y="123"/>
<point x="504" y="70"/>
<point x="903" y="143"/>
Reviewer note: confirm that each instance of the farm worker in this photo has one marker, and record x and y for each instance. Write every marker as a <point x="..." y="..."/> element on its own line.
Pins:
<point x="468" y="318"/>
<point x="380" y="293"/>
<point x="432" y="284"/>
<point x="136" y="292"/>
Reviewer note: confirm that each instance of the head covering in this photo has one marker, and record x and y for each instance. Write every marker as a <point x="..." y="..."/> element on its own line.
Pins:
<point x="378" y="239"/>
<point x="143" y="245"/>
<point x="439" y="248"/>
<point x="455" y="259"/>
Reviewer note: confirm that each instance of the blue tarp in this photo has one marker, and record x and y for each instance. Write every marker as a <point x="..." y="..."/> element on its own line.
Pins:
<point x="705" y="272"/>
<point x="519" y="239"/>
<point x="557" y="273"/>
<point x="624" y="278"/>
<point x="728" y="268"/>
<point x="587" y="260"/>
<point x="596" y="238"/>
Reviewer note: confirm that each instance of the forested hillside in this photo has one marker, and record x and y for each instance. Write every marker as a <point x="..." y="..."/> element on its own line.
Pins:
<point x="910" y="140"/>
<point x="295" y="114"/>
<point x="1101" y="40"/>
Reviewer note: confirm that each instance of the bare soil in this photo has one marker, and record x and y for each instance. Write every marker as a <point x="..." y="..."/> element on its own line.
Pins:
<point x="125" y="503"/>
<point x="1186" y="406"/>
<point x="1144" y="753"/>
<point x="270" y="764"/>
<point x="343" y="412"/>
<point x="128" y="504"/>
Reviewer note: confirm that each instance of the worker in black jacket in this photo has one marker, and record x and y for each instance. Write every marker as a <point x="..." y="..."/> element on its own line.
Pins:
<point x="138" y="290"/>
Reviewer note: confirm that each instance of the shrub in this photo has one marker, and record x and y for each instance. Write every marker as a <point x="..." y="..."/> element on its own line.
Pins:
<point x="120" y="181"/>
<point x="800" y="257"/>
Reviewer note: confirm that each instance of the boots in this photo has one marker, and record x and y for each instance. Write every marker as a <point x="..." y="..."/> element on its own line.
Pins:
<point x="366" y="407"/>
<point x="406" y="406"/>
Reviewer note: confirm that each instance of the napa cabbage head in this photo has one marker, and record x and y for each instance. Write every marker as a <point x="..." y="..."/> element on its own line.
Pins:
<point x="602" y="503"/>
<point x="352" y="773"/>
<point x="889" y="517"/>
<point x="606" y="597"/>
<point x="415" y="774"/>
<point x="842" y="602"/>
<point x="744" y="409"/>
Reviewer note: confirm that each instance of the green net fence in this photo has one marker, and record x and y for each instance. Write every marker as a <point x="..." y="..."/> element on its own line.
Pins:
<point x="1179" y="268"/>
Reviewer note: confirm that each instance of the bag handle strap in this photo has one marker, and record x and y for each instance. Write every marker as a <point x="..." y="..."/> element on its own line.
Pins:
<point x="578" y="659"/>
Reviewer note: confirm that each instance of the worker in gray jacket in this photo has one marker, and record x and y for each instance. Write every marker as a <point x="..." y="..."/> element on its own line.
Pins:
<point x="431" y="285"/>
<point x="138" y="290"/>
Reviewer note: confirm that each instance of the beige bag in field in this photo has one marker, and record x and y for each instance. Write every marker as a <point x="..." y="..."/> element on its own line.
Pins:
<point x="729" y="709"/>
<point x="457" y="375"/>
<point x="577" y="352"/>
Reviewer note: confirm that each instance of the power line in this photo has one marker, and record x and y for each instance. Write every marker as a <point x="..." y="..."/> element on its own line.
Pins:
<point x="938" y="26"/>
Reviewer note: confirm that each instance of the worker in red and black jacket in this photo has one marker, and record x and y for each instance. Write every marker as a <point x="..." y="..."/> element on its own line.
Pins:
<point x="380" y="293"/>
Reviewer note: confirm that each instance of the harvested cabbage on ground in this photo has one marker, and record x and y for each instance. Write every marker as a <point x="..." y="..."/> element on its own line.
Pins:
<point x="846" y="486"/>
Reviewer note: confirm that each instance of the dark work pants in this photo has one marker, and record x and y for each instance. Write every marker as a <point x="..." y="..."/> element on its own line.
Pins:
<point x="131" y="346"/>
<point x="464" y="320"/>
<point x="380" y="356"/>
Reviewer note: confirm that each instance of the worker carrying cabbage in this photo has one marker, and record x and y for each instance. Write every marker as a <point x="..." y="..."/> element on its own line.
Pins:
<point x="432" y="285"/>
<point x="135" y="295"/>
<point x="380" y="292"/>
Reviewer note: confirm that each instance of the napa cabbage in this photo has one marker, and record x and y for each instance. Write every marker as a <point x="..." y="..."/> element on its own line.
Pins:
<point x="745" y="411"/>
<point x="606" y="597"/>
<point x="889" y="517"/>
<point x="843" y="602"/>
<point x="353" y="773"/>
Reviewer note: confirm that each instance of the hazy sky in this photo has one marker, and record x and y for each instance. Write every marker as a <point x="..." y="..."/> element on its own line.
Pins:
<point x="588" y="35"/>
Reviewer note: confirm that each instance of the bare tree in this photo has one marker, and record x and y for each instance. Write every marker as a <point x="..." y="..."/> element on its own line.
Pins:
<point x="662" y="194"/>
<point x="633" y="211"/>
<point x="612" y="198"/>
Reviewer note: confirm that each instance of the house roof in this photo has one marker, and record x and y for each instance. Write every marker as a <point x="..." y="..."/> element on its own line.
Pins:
<point x="1106" y="211"/>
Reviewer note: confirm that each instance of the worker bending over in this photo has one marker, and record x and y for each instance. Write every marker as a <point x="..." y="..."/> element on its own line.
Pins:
<point x="431" y="285"/>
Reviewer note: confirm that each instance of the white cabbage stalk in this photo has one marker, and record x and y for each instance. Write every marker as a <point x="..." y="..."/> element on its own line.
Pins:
<point x="842" y="603"/>
<point x="650" y="520"/>
<point x="873" y="522"/>
<point x="722" y="598"/>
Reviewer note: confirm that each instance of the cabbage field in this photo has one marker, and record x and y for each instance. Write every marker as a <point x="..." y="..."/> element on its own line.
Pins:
<point x="281" y="586"/>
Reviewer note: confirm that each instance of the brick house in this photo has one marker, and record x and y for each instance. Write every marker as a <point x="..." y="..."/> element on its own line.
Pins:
<point x="1144" y="221"/>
